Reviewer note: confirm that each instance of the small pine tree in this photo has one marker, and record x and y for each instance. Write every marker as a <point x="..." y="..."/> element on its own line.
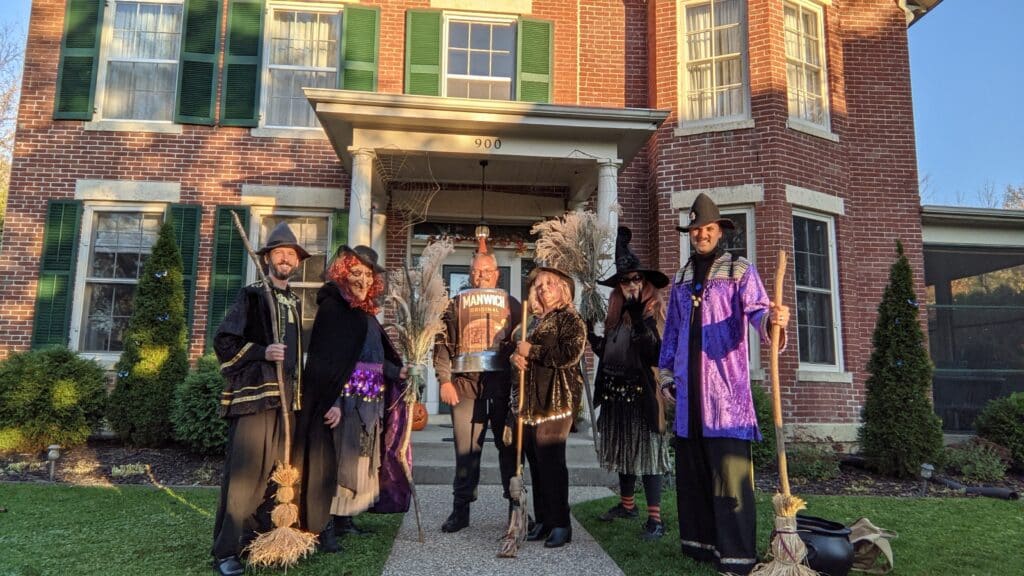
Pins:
<point x="154" y="359"/>
<point x="901" y="430"/>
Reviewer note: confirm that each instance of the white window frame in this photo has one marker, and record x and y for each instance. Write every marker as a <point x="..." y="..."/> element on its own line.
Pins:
<point x="795" y="122"/>
<point x="700" y="125"/>
<point x="264" y="129"/>
<point x="837" y="325"/>
<point x="487" y="19"/>
<point x="89" y="210"/>
<point x="99" y="97"/>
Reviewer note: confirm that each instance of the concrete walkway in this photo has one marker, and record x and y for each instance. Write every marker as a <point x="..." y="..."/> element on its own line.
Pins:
<point x="471" y="551"/>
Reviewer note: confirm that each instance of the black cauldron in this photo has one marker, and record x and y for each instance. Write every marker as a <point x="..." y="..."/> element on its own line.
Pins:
<point x="829" y="550"/>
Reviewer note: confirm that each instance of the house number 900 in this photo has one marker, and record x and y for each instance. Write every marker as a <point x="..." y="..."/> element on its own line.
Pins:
<point x="488" y="143"/>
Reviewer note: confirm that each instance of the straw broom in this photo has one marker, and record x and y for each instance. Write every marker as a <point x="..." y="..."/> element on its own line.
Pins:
<point x="787" y="550"/>
<point x="283" y="545"/>
<point x="517" y="521"/>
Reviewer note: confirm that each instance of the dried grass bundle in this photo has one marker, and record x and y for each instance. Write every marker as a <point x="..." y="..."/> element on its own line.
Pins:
<point x="420" y="298"/>
<point x="577" y="243"/>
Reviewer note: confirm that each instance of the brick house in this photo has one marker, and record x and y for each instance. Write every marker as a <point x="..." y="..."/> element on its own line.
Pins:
<point x="344" y="117"/>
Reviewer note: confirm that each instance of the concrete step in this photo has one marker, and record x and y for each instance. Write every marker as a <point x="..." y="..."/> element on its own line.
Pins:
<point x="434" y="459"/>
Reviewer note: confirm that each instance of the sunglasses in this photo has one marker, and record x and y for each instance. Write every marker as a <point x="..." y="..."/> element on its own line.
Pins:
<point x="631" y="279"/>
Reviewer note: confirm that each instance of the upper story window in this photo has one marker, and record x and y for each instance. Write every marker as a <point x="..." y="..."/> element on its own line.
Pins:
<point x="817" y="299"/>
<point x="805" y="64"/>
<point x="302" y="51"/>
<point x="480" y="59"/>
<point x="140" y="64"/>
<point x="713" y="74"/>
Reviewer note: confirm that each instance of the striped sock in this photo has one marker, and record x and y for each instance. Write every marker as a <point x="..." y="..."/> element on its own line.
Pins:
<point x="628" y="502"/>
<point x="654" y="513"/>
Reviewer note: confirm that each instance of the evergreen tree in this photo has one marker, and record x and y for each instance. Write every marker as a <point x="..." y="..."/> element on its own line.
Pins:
<point x="900" y="430"/>
<point x="154" y="360"/>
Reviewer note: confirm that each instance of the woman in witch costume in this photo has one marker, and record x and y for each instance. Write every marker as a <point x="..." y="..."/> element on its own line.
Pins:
<point x="353" y="380"/>
<point x="632" y="425"/>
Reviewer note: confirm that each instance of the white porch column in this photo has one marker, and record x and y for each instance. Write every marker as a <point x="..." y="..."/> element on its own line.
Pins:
<point x="360" y="198"/>
<point x="608" y="191"/>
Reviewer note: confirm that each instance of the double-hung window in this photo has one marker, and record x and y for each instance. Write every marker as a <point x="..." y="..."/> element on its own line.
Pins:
<point x="120" y="241"/>
<point x="302" y="51"/>
<point x="805" y="64"/>
<point x="140" y="63"/>
<point x="817" y="296"/>
<point x="480" y="59"/>
<point x="713" y="69"/>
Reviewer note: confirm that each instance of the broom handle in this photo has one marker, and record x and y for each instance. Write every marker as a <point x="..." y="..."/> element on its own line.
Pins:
<point x="780" y="440"/>
<point x="275" y="325"/>
<point x="522" y="389"/>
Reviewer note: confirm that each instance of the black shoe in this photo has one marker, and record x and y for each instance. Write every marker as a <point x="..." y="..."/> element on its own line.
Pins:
<point x="618" y="511"/>
<point x="653" y="530"/>
<point x="229" y="566"/>
<point x="559" y="537"/>
<point x="327" y="541"/>
<point x="345" y="526"/>
<point x="457" y="520"/>
<point x="538" y="532"/>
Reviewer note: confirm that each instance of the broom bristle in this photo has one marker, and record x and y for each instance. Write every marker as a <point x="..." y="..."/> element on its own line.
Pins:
<point x="787" y="505"/>
<point x="282" y="547"/>
<point x="285" y="475"/>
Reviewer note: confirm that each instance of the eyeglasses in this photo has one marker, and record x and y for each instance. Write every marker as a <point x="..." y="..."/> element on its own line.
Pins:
<point x="631" y="279"/>
<point x="483" y="271"/>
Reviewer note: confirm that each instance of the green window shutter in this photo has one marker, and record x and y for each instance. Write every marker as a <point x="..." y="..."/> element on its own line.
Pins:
<point x="197" y="71"/>
<point x="533" y="65"/>
<point x="186" y="219"/>
<point x="79" y="55"/>
<point x="228" y="274"/>
<point x="57" y="273"/>
<point x="423" y="52"/>
<point x="359" y="46"/>
<point x="240" y="91"/>
<point x="339" y="232"/>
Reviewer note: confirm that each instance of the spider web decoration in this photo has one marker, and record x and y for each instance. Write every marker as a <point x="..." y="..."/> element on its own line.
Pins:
<point x="411" y="199"/>
<point x="389" y="165"/>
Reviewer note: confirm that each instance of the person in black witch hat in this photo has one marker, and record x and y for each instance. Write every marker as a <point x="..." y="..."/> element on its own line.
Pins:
<point x="631" y="426"/>
<point x="704" y="368"/>
<point x="245" y="346"/>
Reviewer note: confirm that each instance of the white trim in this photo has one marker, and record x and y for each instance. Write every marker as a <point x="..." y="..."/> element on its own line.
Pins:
<point x="503" y="6"/>
<point x="722" y="195"/>
<point x="804" y="375"/>
<point x="151" y="126"/>
<point x="837" y="324"/>
<point x="300" y="196"/>
<point x="127" y="191"/>
<point x="82" y="267"/>
<point x="686" y="126"/>
<point x="823" y="130"/>
<point x="817" y="201"/>
<point x="704" y="127"/>
<point x="293" y="133"/>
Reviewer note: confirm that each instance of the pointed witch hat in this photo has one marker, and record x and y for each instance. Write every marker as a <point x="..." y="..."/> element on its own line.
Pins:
<point x="626" y="262"/>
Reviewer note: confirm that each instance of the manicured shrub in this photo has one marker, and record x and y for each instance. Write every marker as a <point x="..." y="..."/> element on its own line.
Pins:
<point x="764" y="451"/>
<point x="975" y="462"/>
<point x="900" y="429"/>
<point x="195" y="419"/>
<point x="154" y="359"/>
<point x="1002" y="422"/>
<point x="49" y="396"/>
<point x="812" y="462"/>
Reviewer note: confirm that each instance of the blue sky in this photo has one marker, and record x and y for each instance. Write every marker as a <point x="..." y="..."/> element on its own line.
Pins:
<point x="967" y="69"/>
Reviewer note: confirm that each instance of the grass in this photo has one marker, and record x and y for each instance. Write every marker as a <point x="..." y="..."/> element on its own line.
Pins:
<point x="118" y="530"/>
<point x="937" y="536"/>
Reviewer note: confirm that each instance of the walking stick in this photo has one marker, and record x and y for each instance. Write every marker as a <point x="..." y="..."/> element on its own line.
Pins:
<point x="283" y="545"/>
<point x="517" y="521"/>
<point x="789" y="553"/>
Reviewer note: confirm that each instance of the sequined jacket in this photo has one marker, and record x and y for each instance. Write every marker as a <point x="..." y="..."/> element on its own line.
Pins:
<point x="733" y="297"/>
<point x="554" y="381"/>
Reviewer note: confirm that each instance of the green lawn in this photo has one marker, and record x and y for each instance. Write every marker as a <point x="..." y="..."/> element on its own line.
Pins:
<point x="937" y="536"/>
<point x="144" y="530"/>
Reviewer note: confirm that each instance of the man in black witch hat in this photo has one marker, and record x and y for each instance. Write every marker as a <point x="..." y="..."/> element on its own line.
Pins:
<point x="251" y="402"/>
<point x="704" y="369"/>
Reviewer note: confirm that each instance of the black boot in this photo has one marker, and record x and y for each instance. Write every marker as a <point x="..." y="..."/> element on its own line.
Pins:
<point x="328" y="542"/>
<point x="344" y="526"/>
<point x="538" y="532"/>
<point x="559" y="537"/>
<point x="457" y="520"/>
<point x="229" y="566"/>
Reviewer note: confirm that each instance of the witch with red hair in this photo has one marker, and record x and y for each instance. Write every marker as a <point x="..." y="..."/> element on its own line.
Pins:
<point x="352" y="420"/>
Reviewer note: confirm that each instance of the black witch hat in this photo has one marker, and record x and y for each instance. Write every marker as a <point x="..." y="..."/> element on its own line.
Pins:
<point x="282" y="236"/>
<point x="626" y="262"/>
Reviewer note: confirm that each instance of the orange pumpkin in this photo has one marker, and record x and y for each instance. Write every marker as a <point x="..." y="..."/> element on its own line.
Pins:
<point x="419" y="416"/>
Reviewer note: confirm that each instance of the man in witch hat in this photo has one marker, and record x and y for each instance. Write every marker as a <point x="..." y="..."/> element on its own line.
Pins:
<point x="478" y="394"/>
<point x="704" y="369"/>
<point x="251" y="402"/>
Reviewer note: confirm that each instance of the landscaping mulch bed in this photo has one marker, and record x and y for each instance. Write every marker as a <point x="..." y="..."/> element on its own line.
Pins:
<point x="105" y="462"/>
